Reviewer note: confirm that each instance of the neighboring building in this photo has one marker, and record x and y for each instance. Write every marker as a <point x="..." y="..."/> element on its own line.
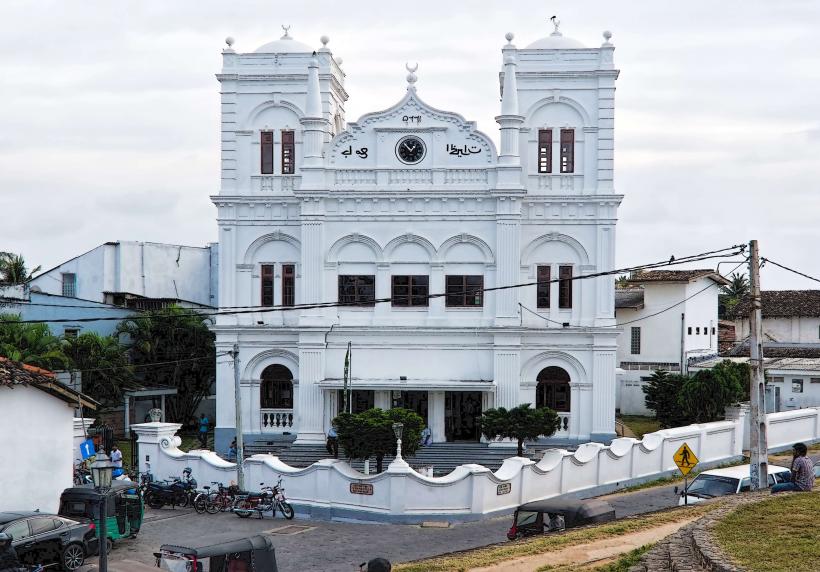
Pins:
<point x="64" y="315"/>
<point x="791" y="382"/>
<point x="667" y="318"/>
<point x="37" y="424"/>
<point x="138" y="275"/>
<point x="407" y="202"/>
<point x="791" y="316"/>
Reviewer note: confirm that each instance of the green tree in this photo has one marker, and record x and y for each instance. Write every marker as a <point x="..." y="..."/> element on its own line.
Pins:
<point x="33" y="344"/>
<point x="622" y="281"/>
<point x="521" y="423"/>
<point x="369" y="434"/>
<point x="13" y="269"/>
<point x="662" y="397"/>
<point x="705" y="395"/>
<point x="104" y="366"/>
<point x="738" y="288"/>
<point x="179" y="347"/>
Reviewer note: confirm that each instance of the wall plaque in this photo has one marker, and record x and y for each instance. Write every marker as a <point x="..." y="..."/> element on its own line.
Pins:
<point x="503" y="489"/>
<point x="362" y="489"/>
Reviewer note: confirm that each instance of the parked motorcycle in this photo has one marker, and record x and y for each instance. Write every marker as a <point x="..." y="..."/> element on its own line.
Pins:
<point x="269" y="499"/>
<point x="178" y="491"/>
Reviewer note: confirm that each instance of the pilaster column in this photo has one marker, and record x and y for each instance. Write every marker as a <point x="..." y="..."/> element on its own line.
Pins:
<point x="605" y="285"/>
<point x="603" y="380"/>
<point x="255" y="399"/>
<point x="382" y="400"/>
<point x="437" y="287"/>
<point x="312" y="260"/>
<point x="507" y="370"/>
<point x="508" y="256"/>
<point x="311" y="372"/>
<point x="435" y="416"/>
<point x="383" y="288"/>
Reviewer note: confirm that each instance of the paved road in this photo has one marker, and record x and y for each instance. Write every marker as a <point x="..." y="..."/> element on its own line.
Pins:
<point x="307" y="545"/>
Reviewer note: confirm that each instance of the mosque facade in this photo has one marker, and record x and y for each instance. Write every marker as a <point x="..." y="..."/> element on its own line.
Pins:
<point x="410" y="256"/>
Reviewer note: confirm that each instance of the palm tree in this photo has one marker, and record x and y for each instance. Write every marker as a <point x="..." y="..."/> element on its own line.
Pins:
<point x="104" y="365"/>
<point x="622" y="281"/>
<point x="738" y="288"/>
<point x="13" y="269"/>
<point x="33" y="344"/>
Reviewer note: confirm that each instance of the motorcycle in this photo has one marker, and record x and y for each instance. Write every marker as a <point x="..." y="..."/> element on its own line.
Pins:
<point x="269" y="499"/>
<point x="177" y="491"/>
<point x="82" y="476"/>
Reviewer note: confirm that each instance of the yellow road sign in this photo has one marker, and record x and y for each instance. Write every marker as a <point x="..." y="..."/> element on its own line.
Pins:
<point x="685" y="459"/>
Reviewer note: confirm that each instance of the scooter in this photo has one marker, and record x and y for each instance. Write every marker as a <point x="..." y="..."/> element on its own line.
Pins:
<point x="158" y="494"/>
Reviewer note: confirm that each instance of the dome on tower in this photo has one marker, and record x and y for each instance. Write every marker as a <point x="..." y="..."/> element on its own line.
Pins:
<point x="284" y="45"/>
<point x="556" y="41"/>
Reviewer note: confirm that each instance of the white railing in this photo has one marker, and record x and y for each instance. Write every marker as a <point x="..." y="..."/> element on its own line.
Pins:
<point x="355" y="177"/>
<point x="275" y="183"/>
<point x="465" y="177"/>
<point x="410" y="177"/>
<point x="566" y="184"/>
<point x="563" y="428"/>
<point x="276" y="420"/>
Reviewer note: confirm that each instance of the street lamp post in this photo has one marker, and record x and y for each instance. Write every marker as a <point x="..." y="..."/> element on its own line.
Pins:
<point x="398" y="428"/>
<point x="101" y="470"/>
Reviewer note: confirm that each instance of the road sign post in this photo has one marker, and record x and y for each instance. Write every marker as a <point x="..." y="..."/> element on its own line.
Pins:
<point x="686" y="460"/>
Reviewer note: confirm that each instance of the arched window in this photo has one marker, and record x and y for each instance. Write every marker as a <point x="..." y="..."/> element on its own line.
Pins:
<point x="277" y="388"/>
<point x="553" y="389"/>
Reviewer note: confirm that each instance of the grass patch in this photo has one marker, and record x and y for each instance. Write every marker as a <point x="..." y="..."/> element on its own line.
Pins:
<point x="539" y="544"/>
<point x="641" y="425"/>
<point x="779" y="534"/>
<point x="623" y="564"/>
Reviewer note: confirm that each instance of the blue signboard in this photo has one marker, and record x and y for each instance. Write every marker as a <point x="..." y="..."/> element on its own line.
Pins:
<point x="87" y="449"/>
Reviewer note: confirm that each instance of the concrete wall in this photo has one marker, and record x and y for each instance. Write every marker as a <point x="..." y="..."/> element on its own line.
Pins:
<point x="795" y="329"/>
<point x="471" y="491"/>
<point x="40" y="306"/>
<point x="36" y="459"/>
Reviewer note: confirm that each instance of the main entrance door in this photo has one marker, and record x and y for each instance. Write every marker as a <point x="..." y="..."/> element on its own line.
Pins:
<point x="413" y="400"/>
<point x="462" y="410"/>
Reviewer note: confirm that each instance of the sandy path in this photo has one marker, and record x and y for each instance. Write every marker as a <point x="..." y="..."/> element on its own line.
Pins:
<point x="589" y="552"/>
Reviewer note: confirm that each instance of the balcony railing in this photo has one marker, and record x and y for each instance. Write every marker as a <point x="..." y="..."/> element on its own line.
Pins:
<point x="563" y="428"/>
<point x="275" y="183"/>
<point x="276" y="420"/>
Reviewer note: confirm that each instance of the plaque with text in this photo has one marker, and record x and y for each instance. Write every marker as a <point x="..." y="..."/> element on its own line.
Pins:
<point x="361" y="488"/>
<point x="503" y="489"/>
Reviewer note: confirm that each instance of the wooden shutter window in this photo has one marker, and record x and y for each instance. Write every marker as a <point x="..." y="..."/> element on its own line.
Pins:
<point x="267" y="285"/>
<point x="288" y="284"/>
<point x="567" y="150"/>
<point x="543" y="288"/>
<point x="565" y="286"/>
<point x="288" y="149"/>
<point x="267" y="153"/>
<point x="545" y="151"/>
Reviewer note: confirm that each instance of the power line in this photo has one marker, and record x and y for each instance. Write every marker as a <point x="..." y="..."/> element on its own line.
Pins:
<point x="148" y="364"/>
<point x="736" y="249"/>
<point x="770" y="261"/>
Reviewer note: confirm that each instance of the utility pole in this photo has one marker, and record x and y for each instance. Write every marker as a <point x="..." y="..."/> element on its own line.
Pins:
<point x="682" y="343"/>
<point x="758" y="439"/>
<point x="240" y="449"/>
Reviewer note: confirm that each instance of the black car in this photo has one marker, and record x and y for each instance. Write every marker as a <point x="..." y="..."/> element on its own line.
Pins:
<point x="40" y="538"/>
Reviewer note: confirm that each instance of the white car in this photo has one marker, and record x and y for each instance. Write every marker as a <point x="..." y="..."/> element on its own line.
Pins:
<point x="729" y="481"/>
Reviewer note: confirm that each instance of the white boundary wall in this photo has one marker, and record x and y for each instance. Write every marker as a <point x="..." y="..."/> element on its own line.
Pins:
<point x="470" y="491"/>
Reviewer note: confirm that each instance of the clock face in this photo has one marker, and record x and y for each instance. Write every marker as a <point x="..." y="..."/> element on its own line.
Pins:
<point x="410" y="150"/>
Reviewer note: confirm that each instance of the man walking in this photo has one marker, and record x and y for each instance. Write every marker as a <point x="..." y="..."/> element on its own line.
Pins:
<point x="332" y="444"/>
<point x="802" y="472"/>
<point x="203" y="430"/>
<point x="116" y="456"/>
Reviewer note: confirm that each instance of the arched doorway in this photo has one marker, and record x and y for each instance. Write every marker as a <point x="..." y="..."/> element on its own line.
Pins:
<point x="276" y="392"/>
<point x="553" y="389"/>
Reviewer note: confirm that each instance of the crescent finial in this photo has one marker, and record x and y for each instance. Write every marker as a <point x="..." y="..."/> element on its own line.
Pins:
<point x="413" y="68"/>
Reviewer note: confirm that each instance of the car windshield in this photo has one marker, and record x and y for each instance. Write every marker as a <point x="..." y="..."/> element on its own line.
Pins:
<point x="526" y="517"/>
<point x="712" y="486"/>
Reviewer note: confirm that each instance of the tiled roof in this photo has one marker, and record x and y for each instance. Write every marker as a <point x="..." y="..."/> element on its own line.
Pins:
<point x="676" y="276"/>
<point x="13" y="373"/>
<point x="778" y="350"/>
<point x="783" y="304"/>
<point x="628" y="298"/>
<point x="776" y="363"/>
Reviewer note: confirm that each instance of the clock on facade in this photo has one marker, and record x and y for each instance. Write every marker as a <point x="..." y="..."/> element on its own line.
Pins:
<point x="410" y="150"/>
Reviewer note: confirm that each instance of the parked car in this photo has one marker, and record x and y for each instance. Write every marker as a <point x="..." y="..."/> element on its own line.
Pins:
<point x="728" y="481"/>
<point x="40" y="538"/>
<point x="557" y="514"/>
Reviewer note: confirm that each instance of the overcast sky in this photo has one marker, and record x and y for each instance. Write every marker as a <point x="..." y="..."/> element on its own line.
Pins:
<point x="109" y="123"/>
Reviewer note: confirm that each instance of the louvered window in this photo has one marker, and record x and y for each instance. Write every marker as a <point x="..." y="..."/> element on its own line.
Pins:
<point x="545" y="151"/>
<point x="567" y="150"/>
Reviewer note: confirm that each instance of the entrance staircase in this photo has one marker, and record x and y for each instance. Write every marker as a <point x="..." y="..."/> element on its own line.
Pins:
<point x="443" y="457"/>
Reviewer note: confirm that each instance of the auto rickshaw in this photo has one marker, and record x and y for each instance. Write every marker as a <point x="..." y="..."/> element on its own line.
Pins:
<point x="554" y="515"/>
<point x="253" y="554"/>
<point x="124" y="508"/>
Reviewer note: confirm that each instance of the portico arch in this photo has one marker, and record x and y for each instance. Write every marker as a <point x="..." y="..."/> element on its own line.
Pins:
<point x="552" y="389"/>
<point x="276" y="387"/>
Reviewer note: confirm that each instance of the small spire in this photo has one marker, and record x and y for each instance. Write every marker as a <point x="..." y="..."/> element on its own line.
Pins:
<point x="509" y="37"/>
<point x="607" y="37"/>
<point x="411" y="76"/>
<point x="286" y="29"/>
<point x="557" y="23"/>
<point x="324" y="39"/>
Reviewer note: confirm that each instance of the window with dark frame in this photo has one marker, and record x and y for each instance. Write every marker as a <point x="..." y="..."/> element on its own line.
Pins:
<point x="545" y="151"/>
<point x="266" y="143"/>
<point x="357" y="290"/>
<point x="410" y="291"/>
<point x="689" y="330"/>
<point x="635" y="342"/>
<point x="464" y="291"/>
<point x="815" y="380"/>
<point x="288" y="284"/>
<point x="565" y="287"/>
<point x="797" y="385"/>
<point x="71" y="333"/>
<point x="567" y="150"/>
<point x="288" y="150"/>
<point x="543" y="288"/>
<point x="267" y="285"/>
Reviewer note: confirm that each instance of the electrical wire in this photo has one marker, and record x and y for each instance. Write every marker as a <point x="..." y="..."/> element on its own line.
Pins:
<point x="770" y="261"/>
<point x="148" y="364"/>
<point x="736" y="249"/>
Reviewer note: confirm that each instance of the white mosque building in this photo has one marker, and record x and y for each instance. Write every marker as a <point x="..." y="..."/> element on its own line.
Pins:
<point x="402" y="205"/>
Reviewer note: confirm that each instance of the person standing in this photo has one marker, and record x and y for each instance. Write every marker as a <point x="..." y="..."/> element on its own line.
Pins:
<point x="203" y="430"/>
<point x="332" y="444"/>
<point x="116" y="456"/>
<point x="802" y="472"/>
